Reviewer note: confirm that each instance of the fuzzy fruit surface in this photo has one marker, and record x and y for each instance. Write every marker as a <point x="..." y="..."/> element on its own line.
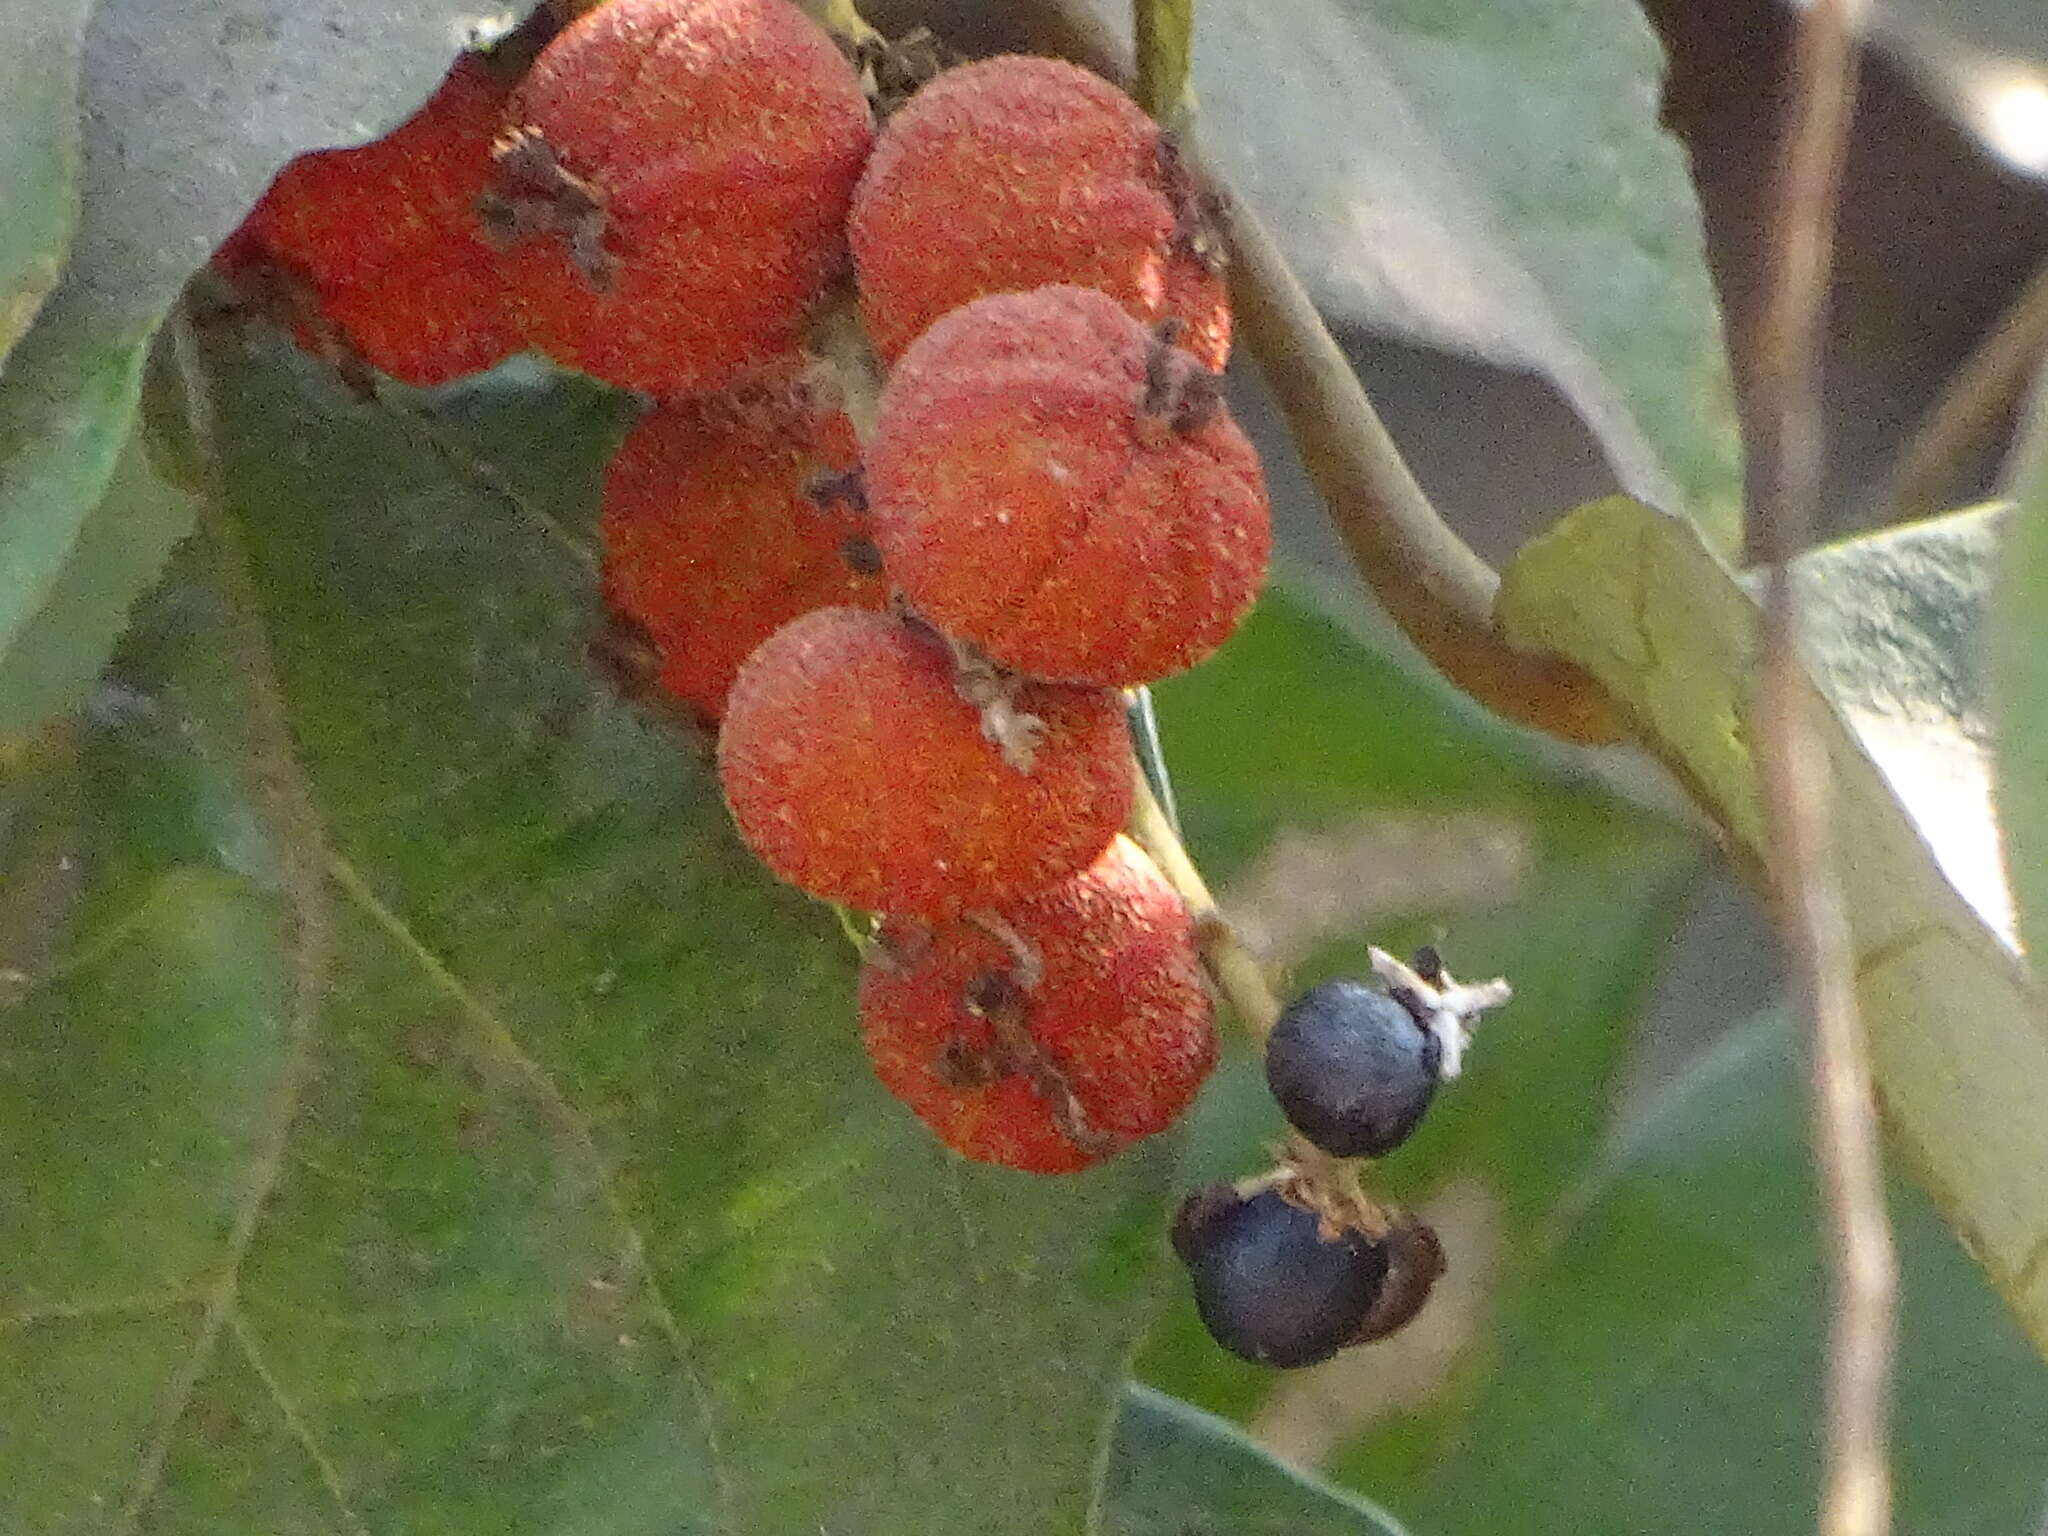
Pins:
<point x="385" y="236"/>
<point x="1351" y="1069"/>
<point x="1015" y="172"/>
<point x="714" y="146"/>
<point x="711" y="542"/>
<point x="1268" y="1286"/>
<point x="1033" y="491"/>
<point x="1119" y="1013"/>
<point x="856" y="770"/>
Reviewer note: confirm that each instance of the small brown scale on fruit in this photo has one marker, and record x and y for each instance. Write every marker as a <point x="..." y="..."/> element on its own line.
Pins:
<point x="533" y="193"/>
<point x="1198" y="214"/>
<point x="1011" y="1051"/>
<point x="1015" y="172"/>
<point x="714" y="538"/>
<point x="855" y="770"/>
<point x="1107" y="1044"/>
<point x="672" y="186"/>
<point x="1179" y="396"/>
<point x="894" y="70"/>
<point x="1064" y="490"/>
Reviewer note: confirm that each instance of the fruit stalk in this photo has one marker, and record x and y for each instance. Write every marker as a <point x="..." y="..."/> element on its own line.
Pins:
<point x="1330" y="1181"/>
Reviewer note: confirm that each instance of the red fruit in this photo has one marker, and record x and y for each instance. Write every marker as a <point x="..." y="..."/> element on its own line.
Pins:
<point x="857" y="770"/>
<point x="385" y="235"/>
<point x="1108" y="1044"/>
<point x="690" y="164"/>
<point x="1052" y="483"/>
<point x="1017" y="172"/>
<point x="711" y="541"/>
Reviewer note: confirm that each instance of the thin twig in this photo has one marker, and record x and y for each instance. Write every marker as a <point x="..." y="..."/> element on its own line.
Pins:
<point x="1330" y="1182"/>
<point x="1856" y="1482"/>
<point x="842" y="18"/>
<point x="1978" y="396"/>
<point x="1237" y="974"/>
<point x="1427" y="578"/>
<point x="1143" y="719"/>
<point x="1162" y="47"/>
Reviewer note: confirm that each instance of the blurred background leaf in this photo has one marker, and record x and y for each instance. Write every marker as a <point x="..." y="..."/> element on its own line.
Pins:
<point x="1635" y="598"/>
<point x="38" y="153"/>
<point x="1491" y="179"/>
<point x="1987" y="60"/>
<point x="2019" y="650"/>
<point x="182" y="114"/>
<point x="1663" y="1364"/>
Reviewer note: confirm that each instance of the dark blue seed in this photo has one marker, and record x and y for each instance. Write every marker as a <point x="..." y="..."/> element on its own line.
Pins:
<point x="1268" y="1286"/>
<point x="1352" y="1069"/>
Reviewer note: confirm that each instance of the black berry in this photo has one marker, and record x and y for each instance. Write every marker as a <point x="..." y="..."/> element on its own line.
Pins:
<point x="1268" y="1286"/>
<point x="1352" y="1069"/>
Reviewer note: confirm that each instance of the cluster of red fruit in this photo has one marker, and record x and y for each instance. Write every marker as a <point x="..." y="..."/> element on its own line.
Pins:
<point x="914" y="647"/>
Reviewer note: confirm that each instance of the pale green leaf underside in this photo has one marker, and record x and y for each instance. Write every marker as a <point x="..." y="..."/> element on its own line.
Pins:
<point x="184" y="112"/>
<point x="1958" y="1032"/>
<point x="120" y="551"/>
<point x="1174" y="1470"/>
<point x="1492" y="178"/>
<point x="2021" y="658"/>
<point x="38" y="152"/>
<point x="1894" y="625"/>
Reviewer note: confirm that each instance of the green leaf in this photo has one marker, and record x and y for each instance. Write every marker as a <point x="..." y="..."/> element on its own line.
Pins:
<point x="120" y="550"/>
<point x="1636" y="599"/>
<point x="1894" y="625"/>
<point x="1176" y="1471"/>
<point x="65" y="408"/>
<point x="2020" y="656"/>
<point x="38" y="152"/>
<point x="1493" y="178"/>
<point x="437" y="1122"/>
<point x="186" y="117"/>
<point x="1667" y="1360"/>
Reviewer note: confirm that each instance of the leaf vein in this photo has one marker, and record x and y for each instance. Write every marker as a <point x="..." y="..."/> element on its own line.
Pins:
<point x="138" y="1305"/>
<point x="500" y="1037"/>
<point x="301" y="1431"/>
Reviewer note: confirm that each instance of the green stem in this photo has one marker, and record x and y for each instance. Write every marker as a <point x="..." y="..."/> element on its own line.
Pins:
<point x="1164" y="34"/>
